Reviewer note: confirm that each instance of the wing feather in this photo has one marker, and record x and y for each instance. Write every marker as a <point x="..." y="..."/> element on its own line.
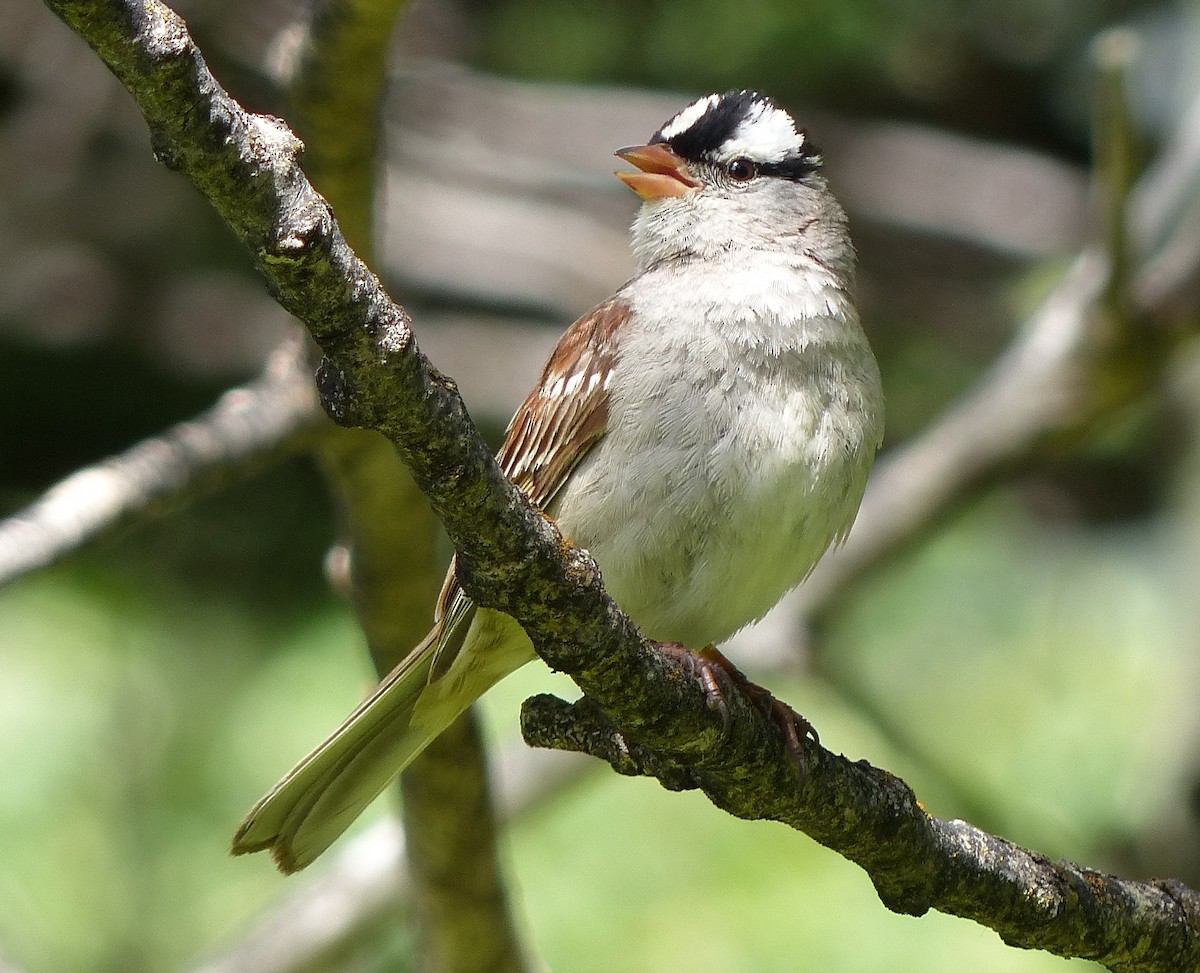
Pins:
<point x="567" y="413"/>
<point x="550" y="434"/>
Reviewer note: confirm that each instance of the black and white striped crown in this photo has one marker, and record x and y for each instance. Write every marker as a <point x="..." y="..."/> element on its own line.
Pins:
<point x="720" y="128"/>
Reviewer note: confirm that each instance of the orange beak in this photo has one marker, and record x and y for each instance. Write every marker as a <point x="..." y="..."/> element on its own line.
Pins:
<point x="662" y="174"/>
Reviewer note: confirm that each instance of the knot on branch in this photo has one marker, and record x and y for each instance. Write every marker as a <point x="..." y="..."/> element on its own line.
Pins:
<point x="391" y="337"/>
<point x="271" y="144"/>
<point x="337" y="395"/>
<point x="303" y="229"/>
<point x="582" y="569"/>
<point x="165" y="33"/>
<point x="583" y="727"/>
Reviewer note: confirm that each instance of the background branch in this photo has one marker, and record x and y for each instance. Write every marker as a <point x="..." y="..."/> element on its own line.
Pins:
<point x="460" y="903"/>
<point x="249" y="429"/>
<point x="460" y="898"/>
<point x="1046" y="389"/>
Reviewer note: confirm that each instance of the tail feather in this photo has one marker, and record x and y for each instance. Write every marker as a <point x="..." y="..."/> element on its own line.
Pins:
<point x="310" y="807"/>
<point x="306" y="811"/>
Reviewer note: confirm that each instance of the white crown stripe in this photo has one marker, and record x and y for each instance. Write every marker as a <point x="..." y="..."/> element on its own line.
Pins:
<point x="766" y="133"/>
<point x="688" y="117"/>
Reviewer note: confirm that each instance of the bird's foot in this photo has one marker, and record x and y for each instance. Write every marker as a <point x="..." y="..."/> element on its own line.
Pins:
<point x="709" y="663"/>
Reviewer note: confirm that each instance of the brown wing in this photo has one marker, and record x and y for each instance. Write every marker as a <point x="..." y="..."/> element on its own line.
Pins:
<point x="550" y="434"/>
<point x="568" y="411"/>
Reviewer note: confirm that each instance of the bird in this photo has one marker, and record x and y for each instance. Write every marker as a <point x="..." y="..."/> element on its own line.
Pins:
<point x="706" y="433"/>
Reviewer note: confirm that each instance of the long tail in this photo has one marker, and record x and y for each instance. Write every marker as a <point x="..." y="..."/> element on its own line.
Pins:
<point x="306" y="811"/>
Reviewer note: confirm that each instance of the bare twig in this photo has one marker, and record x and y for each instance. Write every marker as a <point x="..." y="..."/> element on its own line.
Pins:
<point x="248" y="429"/>
<point x="335" y="913"/>
<point x="514" y="560"/>
<point x="1114" y="149"/>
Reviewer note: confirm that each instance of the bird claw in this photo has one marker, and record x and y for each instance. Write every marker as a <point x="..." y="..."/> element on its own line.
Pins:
<point x="709" y="664"/>
<point x="705" y="671"/>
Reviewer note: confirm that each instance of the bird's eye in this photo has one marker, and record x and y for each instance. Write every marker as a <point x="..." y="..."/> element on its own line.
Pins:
<point x="742" y="170"/>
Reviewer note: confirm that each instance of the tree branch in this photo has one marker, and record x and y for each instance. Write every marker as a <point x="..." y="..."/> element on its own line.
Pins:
<point x="460" y="902"/>
<point x="513" y="559"/>
<point x="917" y="861"/>
<point x="248" y="429"/>
<point x="338" y="93"/>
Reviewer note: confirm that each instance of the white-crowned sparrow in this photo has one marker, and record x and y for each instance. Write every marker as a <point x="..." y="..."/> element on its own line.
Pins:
<point x="706" y="433"/>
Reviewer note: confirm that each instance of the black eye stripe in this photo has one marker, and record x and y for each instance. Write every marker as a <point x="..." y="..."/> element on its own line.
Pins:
<point x="796" y="168"/>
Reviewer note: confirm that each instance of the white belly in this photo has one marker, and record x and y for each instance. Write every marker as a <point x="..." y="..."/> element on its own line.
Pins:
<point x="727" y="469"/>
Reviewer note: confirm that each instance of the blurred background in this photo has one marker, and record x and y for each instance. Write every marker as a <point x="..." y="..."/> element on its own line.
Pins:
<point x="1030" y="665"/>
